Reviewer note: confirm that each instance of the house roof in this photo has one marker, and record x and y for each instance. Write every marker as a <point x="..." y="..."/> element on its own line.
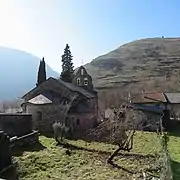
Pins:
<point x="173" y="97"/>
<point x="59" y="83"/>
<point x="149" y="98"/>
<point x="139" y="98"/>
<point x="76" y="70"/>
<point x="40" y="99"/>
<point x="158" y="97"/>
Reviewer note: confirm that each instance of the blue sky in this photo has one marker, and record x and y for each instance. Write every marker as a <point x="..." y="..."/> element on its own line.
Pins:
<point x="90" y="27"/>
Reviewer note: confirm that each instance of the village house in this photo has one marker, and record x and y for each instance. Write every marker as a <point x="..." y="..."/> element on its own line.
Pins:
<point x="173" y="104"/>
<point x="149" y="102"/>
<point x="154" y="104"/>
<point x="54" y="98"/>
<point x="157" y="102"/>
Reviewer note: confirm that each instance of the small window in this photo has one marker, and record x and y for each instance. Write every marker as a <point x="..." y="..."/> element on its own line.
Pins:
<point x="77" y="122"/>
<point x="85" y="81"/>
<point x="82" y="72"/>
<point x="78" y="81"/>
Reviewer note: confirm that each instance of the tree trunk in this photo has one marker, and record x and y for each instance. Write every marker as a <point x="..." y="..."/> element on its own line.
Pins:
<point x="62" y="134"/>
<point x="115" y="153"/>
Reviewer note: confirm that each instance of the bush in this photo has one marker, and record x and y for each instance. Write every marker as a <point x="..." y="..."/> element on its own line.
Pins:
<point x="61" y="130"/>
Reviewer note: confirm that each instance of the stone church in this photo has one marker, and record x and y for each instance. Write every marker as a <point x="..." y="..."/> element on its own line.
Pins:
<point x="53" y="99"/>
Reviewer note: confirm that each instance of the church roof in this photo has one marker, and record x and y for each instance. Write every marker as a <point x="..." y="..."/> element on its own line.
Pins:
<point x="40" y="99"/>
<point x="77" y="69"/>
<point x="59" y="83"/>
<point x="75" y="88"/>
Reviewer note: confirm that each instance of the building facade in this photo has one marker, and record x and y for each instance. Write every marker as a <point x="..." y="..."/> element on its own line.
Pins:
<point x="75" y="104"/>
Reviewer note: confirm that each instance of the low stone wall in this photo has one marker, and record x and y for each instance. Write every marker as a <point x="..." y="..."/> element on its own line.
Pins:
<point x="16" y="124"/>
<point x="26" y="140"/>
<point x="7" y="166"/>
<point x="5" y="155"/>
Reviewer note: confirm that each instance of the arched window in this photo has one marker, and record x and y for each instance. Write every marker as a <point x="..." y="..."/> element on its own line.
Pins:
<point x="39" y="115"/>
<point x="78" y="81"/>
<point x="85" y="81"/>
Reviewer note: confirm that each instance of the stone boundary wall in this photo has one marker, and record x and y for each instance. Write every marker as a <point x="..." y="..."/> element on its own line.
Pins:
<point x="16" y="124"/>
<point x="24" y="141"/>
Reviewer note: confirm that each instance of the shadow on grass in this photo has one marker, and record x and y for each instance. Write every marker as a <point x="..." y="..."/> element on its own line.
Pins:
<point x="149" y="172"/>
<point x="18" y="151"/>
<point x="48" y="135"/>
<point x="175" y="133"/>
<point x="174" y="127"/>
<point x="176" y="170"/>
<point x="113" y="164"/>
<point x="106" y="153"/>
<point x="130" y="155"/>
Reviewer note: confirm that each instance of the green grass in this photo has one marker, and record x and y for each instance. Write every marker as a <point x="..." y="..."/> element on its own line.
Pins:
<point x="174" y="151"/>
<point x="53" y="163"/>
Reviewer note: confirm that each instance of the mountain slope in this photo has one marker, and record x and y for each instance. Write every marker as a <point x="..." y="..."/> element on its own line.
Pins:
<point x="152" y="63"/>
<point x="18" y="72"/>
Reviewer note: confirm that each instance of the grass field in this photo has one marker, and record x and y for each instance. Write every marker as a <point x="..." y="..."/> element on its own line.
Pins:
<point x="88" y="160"/>
<point x="174" y="151"/>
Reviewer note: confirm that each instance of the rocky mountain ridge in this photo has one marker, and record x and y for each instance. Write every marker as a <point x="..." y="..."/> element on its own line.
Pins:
<point x="152" y="63"/>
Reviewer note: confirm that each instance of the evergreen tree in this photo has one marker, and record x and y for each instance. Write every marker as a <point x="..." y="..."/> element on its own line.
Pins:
<point x="67" y="65"/>
<point x="41" y="72"/>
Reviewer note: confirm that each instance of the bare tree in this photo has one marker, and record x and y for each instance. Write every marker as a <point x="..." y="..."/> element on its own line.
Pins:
<point x="61" y="127"/>
<point x="3" y="106"/>
<point x="125" y="124"/>
<point x="121" y="129"/>
<point x="113" y="98"/>
<point x="166" y="171"/>
<point x="11" y="106"/>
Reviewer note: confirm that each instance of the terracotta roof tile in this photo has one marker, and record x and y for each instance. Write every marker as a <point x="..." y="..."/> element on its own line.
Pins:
<point x="149" y="98"/>
<point x="155" y="97"/>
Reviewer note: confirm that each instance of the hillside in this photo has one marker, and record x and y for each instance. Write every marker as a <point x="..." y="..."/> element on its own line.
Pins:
<point x="18" y="72"/>
<point x="152" y="63"/>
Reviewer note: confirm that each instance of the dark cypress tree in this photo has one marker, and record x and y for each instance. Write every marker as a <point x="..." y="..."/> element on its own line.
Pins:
<point x="67" y="65"/>
<point x="41" y="72"/>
